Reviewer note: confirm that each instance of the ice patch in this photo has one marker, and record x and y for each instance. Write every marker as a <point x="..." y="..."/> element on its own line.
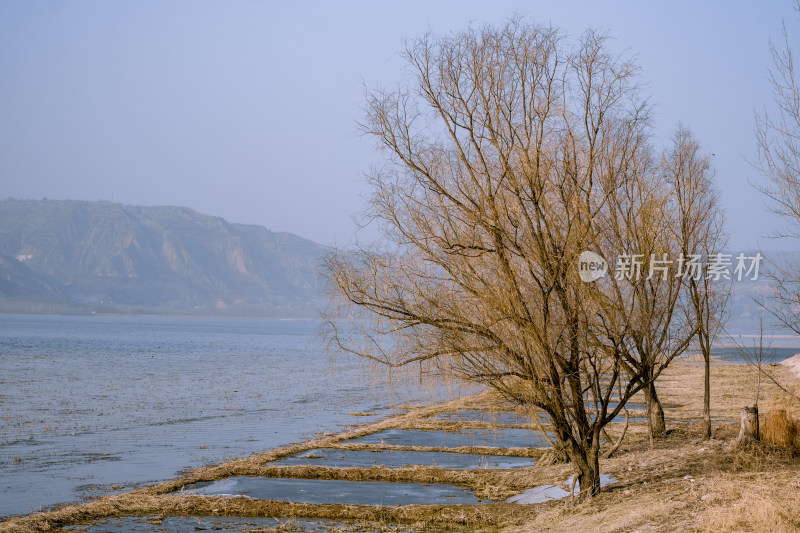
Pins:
<point x="540" y="494"/>
<point x="545" y="493"/>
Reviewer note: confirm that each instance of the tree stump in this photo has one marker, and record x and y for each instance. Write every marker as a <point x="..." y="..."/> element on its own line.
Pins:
<point x="748" y="432"/>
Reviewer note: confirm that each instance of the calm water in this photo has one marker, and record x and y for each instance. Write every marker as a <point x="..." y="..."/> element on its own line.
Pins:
<point x="771" y="355"/>
<point x="91" y="405"/>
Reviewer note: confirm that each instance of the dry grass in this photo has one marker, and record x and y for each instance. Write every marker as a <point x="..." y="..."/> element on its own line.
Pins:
<point x="769" y="502"/>
<point x="419" y="517"/>
<point x="779" y="429"/>
<point x="685" y="484"/>
<point x="679" y="486"/>
<point x="534" y="453"/>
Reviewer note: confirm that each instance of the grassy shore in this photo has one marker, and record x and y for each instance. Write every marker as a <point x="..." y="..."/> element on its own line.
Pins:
<point x="679" y="483"/>
<point x="684" y="484"/>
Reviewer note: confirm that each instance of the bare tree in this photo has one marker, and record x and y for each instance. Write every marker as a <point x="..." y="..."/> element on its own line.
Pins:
<point x="699" y="230"/>
<point x="510" y="151"/>
<point x="778" y="141"/>
<point x="757" y="355"/>
<point x="655" y="332"/>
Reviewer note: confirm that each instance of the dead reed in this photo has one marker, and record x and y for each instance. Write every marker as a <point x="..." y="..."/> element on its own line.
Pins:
<point x="780" y="429"/>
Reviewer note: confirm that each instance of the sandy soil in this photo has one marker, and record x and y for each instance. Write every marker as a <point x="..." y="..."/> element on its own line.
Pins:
<point x="794" y="365"/>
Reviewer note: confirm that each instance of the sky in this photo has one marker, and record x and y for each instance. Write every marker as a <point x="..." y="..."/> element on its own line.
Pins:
<point x="248" y="110"/>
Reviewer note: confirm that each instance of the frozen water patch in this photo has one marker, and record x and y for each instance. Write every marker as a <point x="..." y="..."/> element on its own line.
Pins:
<point x="546" y="493"/>
<point x="540" y="494"/>
<point x="501" y="438"/>
<point x="395" y="458"/>
<point x="335" y="491"/>
<point x="506" y="418"/>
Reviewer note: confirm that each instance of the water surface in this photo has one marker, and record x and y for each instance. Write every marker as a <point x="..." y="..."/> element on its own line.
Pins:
<point x="336" y="491"/>
<point x="91" y="405"/>
<point x="501" y="438"/>
<point x="396" y="458"/>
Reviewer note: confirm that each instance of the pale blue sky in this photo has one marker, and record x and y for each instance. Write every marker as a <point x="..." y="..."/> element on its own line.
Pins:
<point x="247" y="110"/>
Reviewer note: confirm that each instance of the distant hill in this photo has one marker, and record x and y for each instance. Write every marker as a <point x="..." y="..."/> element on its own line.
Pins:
<point x="107" y="257"/>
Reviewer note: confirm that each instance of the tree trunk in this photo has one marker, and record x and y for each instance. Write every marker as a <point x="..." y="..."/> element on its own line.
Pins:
<point x="748" y="432"/>
<point x="655" y="413"/>
<point x="588" y="465"/>
<point x="707" y="396"/>
<point x="590" y="478"/>
<point x="705" y="345"/>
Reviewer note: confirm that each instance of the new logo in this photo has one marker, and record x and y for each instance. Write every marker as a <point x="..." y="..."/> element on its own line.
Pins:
<point x="591" y="266"/>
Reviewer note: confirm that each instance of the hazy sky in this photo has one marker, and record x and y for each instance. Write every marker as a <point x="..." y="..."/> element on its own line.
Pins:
<point x="247" y="110"/>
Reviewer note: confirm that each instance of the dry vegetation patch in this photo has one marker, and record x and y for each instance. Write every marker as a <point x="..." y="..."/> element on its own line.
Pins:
<point x="533" y="453"/>
<point x="780" y="429"/>
<point x="682" y="483"/>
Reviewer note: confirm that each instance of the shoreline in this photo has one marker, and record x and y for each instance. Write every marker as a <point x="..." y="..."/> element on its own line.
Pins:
<point x="681" y="481"/>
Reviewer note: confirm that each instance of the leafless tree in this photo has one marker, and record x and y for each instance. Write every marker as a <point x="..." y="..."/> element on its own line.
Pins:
<point x="757" y="355"/>
<point x="778" y="141"/>
<point x="510" y="151"/>
<point x="700" y="233"/>
<point x="642" y="221"/>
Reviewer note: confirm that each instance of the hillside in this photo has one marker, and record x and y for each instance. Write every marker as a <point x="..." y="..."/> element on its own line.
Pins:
<point x="108" y="257"/>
